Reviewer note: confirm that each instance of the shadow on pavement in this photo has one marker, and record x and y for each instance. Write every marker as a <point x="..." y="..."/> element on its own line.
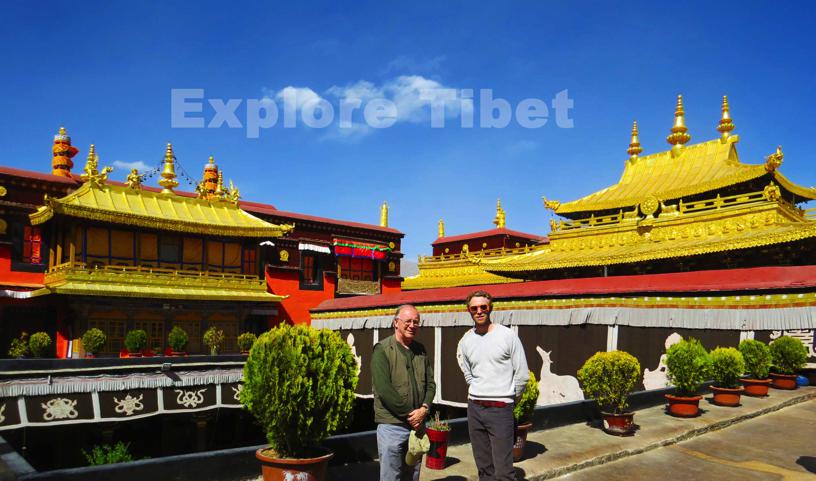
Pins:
<point x="807" y="462"/>
<point x="533" y="449"/>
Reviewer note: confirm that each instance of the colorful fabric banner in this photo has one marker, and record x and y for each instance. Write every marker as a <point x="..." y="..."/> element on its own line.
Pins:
<point x="344" y="247"/>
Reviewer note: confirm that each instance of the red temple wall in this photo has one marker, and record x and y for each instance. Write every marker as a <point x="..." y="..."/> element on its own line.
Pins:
<point x="9" y="277"/>
<point x="296" y="308"/>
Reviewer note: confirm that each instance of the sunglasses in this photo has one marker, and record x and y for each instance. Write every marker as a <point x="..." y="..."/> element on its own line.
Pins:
<point x="475" y="309"/>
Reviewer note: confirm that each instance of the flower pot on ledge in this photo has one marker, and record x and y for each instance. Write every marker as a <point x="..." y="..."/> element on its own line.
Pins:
<point x="622" y="424"/>
<point x="724" y="396"/>
<point x="520" y="440"/>
<point x="684" y="407"/>
<point x="756" y="387"/>
<point x="783" y="381"/>
<point x="285" y="469"/>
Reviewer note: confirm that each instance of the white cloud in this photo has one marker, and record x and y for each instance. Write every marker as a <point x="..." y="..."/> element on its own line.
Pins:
<point x="139" y="165"/>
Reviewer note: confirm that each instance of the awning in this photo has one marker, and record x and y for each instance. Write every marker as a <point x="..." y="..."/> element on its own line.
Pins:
<point x="305" y="246"/>
<point x="350" y="248"/>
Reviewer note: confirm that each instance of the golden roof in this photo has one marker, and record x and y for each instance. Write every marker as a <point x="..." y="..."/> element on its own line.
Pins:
<point x="123" y="281"/>
<point x="699" y="168"/>
<point x="450" y="274"/>
<point x="144" y="208"/>
<point x="717" y="225"/>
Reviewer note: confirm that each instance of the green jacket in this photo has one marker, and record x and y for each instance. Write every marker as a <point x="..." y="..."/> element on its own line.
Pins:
<point x="396" y="391"/>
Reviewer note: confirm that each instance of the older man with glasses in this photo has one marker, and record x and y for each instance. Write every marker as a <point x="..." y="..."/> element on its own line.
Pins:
<point x="404" y="389"/>
<point x="492" y="359"/>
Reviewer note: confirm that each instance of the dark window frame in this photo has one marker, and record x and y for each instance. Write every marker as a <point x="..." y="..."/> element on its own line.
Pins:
<point x="317" y="269"/>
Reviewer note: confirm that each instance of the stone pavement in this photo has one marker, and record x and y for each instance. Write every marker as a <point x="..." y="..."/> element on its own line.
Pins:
<point x="567" y="449"/>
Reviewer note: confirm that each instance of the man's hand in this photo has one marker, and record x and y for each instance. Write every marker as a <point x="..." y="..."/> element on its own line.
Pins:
<point x="417" y="417"/>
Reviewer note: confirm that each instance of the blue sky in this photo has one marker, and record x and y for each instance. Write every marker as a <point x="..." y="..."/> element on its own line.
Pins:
<point x="106" y="70"/>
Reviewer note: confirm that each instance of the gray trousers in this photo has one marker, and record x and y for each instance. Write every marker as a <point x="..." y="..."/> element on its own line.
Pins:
<point x="392" y="444"/>
<point x="491" y="437"/>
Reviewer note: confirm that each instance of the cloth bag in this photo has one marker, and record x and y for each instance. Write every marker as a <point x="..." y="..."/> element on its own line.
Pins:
<point x="417" y="446"/>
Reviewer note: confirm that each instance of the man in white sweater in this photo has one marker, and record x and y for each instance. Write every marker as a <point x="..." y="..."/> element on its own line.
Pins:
<point x="495" y="368"/>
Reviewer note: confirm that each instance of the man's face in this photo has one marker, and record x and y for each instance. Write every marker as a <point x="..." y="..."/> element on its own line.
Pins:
<point x="479" y="308"/>
<point x="407" y="324"/>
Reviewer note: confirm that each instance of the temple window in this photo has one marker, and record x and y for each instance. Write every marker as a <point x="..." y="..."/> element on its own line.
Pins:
<point x="114" y="329"/>
<point x="308" y="268"/>
<point x="169" y="251"/>
<point x="250" y="263"/>
<point x="193" y="254"/>
<point x="154" y="330"/>
<point x="356" y="268"/>
<point x="32" y="245"/>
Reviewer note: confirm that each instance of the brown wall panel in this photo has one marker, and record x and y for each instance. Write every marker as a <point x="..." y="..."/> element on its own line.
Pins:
<point x="647" y="344"/>
<point x="453" y="387"/>
<point x="363" y="343"/>
<point x="569" y="346"/>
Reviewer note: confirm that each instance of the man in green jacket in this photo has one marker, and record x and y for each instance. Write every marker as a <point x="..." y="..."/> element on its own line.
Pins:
<point x="404" y="389"/>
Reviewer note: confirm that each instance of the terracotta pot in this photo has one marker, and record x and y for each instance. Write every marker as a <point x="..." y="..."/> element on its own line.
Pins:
<point x="435" y="459"/>
<point x="520" y="440"/>
<point x="178" y="353"/>
<point x="756" y="387"/>
<point x="245" y="353"/>
<point x="724" y="396"/>
<point x="134" y="354"/>
<point x="783" y="381"/>
<point x="285" y="469"/>
<point x="619" y="424"/>
<point x="684" y="407"/>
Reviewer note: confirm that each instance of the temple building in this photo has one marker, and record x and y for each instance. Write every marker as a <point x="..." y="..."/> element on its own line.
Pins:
<point x="82" y="251"/>
<point x="690" y="242"/>
<point x="455" y="259"/>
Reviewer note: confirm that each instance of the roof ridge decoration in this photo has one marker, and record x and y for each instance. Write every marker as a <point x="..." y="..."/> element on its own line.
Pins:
<point x="634" y="145"/>
<point x="501" y="216"/>
<point x="120" y="204"/>
<point x="673" y="174"/>
<point x="168" y="174"/>
<point x="91" y="173"/>
<point x="679" y="132"/>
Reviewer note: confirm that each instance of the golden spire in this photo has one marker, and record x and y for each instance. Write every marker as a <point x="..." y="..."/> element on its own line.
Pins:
<point x="679" y="132"/>
<point x="219" y="188"/>
<point x="726" y="125"/>
<point x="501" y="217"/>
<point x="168" y="174"/>
<point x="634" y="145"/>
<point x="384" y="214"/>
<point x="441" y="229"/>
<point x="91" y="171"/>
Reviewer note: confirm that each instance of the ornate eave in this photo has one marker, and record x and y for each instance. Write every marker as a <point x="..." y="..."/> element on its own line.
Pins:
<point x="127" y="281"/>
<point x="718" y="225"/>
<point x="463" y="269"/>
<point x="699" y="168"/>
<point x="148" y="209"/>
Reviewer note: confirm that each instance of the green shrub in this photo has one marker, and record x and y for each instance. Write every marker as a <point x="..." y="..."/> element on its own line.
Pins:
<point x="523" y="411"/>
<point x="757" y="357"/>
<point x="788" y="355"/>
<point x="608" y="378"/>
<point x="246" y="340"/>
<point x="19" y="347"/>
<point x="136" y="340"/>
<point x="727" y="365"/>
<point x="93" y="340"/>
<point x="107" y="454"/>
<point x="178" y="339"/>
<point x="39" y="343"/>
<point x="299" y="384"/>
<point x="439" y="424"/>
<point x="214" y="339"/>
<point x="689" y="365"/>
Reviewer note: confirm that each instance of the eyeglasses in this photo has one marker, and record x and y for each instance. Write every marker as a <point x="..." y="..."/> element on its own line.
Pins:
<point x="410" y="321"/>
<point x="482" y="307"/>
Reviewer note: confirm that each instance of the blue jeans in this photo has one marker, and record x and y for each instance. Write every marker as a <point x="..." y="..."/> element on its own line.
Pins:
<point x="392" y="444"/>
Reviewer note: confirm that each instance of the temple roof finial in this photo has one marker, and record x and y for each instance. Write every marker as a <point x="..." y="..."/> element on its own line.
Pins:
<point x="773" y="161"/>
<point x="91" y="171"/>
<point x="726" y="125"/>
<point x="62" y="152"/>
<point x="440" y="229"/>
<point x="168" y="174"/>
<point x="634" y="145"/>
<point x="384" y="214"/>
<point x="679" y="133"/>
<point x="501" y="217"/>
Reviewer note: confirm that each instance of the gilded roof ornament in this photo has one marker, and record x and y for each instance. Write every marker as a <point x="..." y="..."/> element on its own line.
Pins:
<point x="551" y="204"/>
<point x="726" y="125"/>
<point x="679" y="132"/>
<point x="634" y="145"/>
<point x="134" y="179"/>
<point x="168" y="174"/>
<point x="233" y="194"/>
<point x="91" y="171"/>
<point x="62" y="152"/>
<point x="384" y="214"/>
<point x="206" y="188"/>
<point x="501" y="217"/>
<point x="773" y="161"/>
<point x="440" y="229"/>
<point x="219" y="188"/>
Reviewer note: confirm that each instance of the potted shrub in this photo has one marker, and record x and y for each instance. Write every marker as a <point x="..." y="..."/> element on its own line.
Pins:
<point x="727" y="365"/>
<point x="757" y="358"/>
<point x="245" y="342"/>
<point x="299" y="384"/>
<point x="93" y="341"/>
<point x="788" y="355"/>
<point x="19" y="346"/>
<point x="438" y="432"/>
<point x="523" y="414"/>
<point x="688" y="366"/>
<point x="608" y="378"/>
<point x="39" y="343"/>
<point x="135" y="342"/>
<point x="178" y="339"/>
<point x="214" y="339"/>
